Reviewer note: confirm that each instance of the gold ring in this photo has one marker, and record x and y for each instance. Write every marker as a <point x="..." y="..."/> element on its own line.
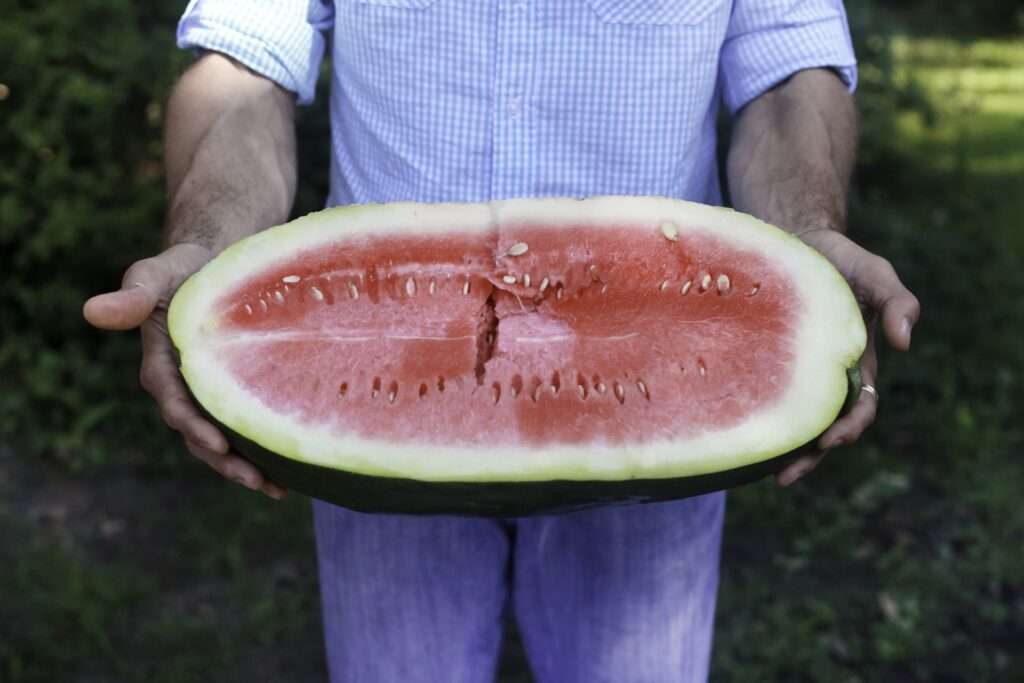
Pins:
<point x="870" y="389"/>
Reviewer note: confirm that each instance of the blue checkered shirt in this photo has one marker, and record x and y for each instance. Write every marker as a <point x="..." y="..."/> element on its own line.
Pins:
<point x="469" y="100"/>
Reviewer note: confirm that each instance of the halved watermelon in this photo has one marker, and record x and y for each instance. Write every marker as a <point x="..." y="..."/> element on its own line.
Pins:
<point x="518" y="357"/>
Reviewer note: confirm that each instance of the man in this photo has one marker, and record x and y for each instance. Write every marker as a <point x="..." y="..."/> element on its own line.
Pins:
<point x="463" y="100"/>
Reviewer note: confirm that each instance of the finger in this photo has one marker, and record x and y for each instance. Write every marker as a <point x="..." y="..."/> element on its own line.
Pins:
<point x="161" y="378"/>
<point x="799" y="467"/>
<point x="900" y="310"/>
<point x="850" y="426"/>
<point x="145" y="283"/>
<point x="237" y="469"/>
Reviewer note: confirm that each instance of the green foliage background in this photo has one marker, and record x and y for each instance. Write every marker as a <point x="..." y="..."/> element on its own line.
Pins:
<point x="902" y="559"/>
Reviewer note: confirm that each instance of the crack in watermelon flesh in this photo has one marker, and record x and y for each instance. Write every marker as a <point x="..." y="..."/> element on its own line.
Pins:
<point x="617" y="337"/>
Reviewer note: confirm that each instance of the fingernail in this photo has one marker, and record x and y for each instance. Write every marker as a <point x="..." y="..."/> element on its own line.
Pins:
<point x="905" y="328"/>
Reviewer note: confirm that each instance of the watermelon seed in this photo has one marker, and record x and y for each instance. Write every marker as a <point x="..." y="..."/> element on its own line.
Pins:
<point x="705" y="282"/>
<point x="423" y="390"/>
<point x="496" y="393"/>
<point x="604" y="288"/>
<point x="376" y="388"/>
<point x="317" y="294"/>
<point x="510" y="279"/>
<point x="517" y="385"/>
<point x="433" y="285"/>
<point x="465" y="287"/>
<point x="643" y="389"/>
<point x="248" y="309"/>
<point x="593" y="272"/>
<point x="559" y="292"/>
<point x="669" y="231"/>
<point x="410" y="287"/>
<point x="526" y="280"/>
<point x="664" y="285"/>
<point x="353" y="292"/>
<point x="290" y="279"/>
<point x="343" y="389"/>
<point x="279" y="296"/>
<point x="544" y="284"/>
<point x="556" y="383"/>
<point x="581" y="386"/>
<point x="263" y="305"/>
<point x="685" y="288"/>
<point x="753" y="290"/>
<point x="440" y="383"/>
<point x="723" y="284"/>
<point x="702" y="368"/>
<point x="620" y="393"/>
<point x="392" y="392"/>
<point x="598" y="384"/>
<point x="537" y="386"/>
<point x="517" y="249"/>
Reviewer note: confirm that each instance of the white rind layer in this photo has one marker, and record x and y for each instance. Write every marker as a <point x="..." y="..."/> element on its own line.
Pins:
<point x="831" y="338"/>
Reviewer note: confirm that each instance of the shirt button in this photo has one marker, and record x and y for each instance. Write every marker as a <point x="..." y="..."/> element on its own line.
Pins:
<point x="513" y="107"/>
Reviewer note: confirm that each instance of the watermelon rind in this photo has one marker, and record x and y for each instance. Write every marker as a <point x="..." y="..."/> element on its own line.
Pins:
<point x="314" y="460"/>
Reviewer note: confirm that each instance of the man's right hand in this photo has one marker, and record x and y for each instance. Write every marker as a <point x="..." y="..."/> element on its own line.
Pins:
<point x="142" y="302"/>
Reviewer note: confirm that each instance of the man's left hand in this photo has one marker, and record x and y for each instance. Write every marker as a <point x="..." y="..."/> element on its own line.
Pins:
<point x="882" y="297"/>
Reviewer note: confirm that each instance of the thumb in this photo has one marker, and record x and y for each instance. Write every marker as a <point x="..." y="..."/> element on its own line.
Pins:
<point x="146" y="283"/>
<point x="143" y="287"/>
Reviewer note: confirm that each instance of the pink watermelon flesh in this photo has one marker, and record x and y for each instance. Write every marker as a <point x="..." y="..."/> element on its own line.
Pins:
<point x="621" y="337"/>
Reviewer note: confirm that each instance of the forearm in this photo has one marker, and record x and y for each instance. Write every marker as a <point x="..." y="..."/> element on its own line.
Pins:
<point x="229" y="155"/>
<point x="792" y="153"/>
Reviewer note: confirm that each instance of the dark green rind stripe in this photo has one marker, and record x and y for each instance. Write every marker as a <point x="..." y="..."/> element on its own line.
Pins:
<point x="481" y="499"/>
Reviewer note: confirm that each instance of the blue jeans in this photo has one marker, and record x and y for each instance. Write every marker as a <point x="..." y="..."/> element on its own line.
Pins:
<point x="614" y="594"/>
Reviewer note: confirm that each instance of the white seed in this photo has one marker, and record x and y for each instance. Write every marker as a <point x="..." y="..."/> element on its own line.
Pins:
<point x="490" y="338"/>
<point x="465" y="287"/>
<point x="410" y="287"/>
<point x="279" y="296"/>
<point x="669" y="231"/>
<point x="642" y="387"/>
<point x="263" y="305"/>
<point x="353" y="292"/>
<point x="544" y="284"/>
<point x="664" y="285"/>
<point x="723" y="283"/>
<point x="559" y="292"/>
<point x="604" y="288"/>
<point x="685" y="288"/>
<point x="515" y="391"/>
<point x="582" y="390"/>
<point x="317" y="294"/>
<point x="526" y="280"/>
<point x="518" y="249"/>
<point x="433" y="285"/>
<point x="495" y="395"/>
<point x="702" y="369"/>
<point x="248" y="309"/>
<point x="374" y="393"/>
<point x="593" y="271"/>
<point x="510" y="279"/>
<point x="620" y="393"/>
<point x="290" y="279"/>
<point x="601" y="387"/>
<point x="753" y="290"/>
<point x="705" y="282"/>
<point x="536" y="393"/>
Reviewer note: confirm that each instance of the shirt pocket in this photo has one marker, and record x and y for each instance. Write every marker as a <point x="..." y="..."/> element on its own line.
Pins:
<point x="407" y="4"/>
<point x="654" y="12"/>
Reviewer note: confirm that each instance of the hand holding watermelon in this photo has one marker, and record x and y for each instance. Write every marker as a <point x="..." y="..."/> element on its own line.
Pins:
<point x="881" y="295"/>
<point x="142" y="302"/>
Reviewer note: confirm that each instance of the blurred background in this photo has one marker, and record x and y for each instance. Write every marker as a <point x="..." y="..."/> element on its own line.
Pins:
<point x="124" y="559"/>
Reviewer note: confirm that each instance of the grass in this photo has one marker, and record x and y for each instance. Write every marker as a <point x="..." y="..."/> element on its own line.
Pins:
<point x="901" y="559"/>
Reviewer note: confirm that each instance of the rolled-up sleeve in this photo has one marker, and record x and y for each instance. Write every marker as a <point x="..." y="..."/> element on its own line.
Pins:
<point x="281" y="39"/>
<point x="769" y="40"/>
